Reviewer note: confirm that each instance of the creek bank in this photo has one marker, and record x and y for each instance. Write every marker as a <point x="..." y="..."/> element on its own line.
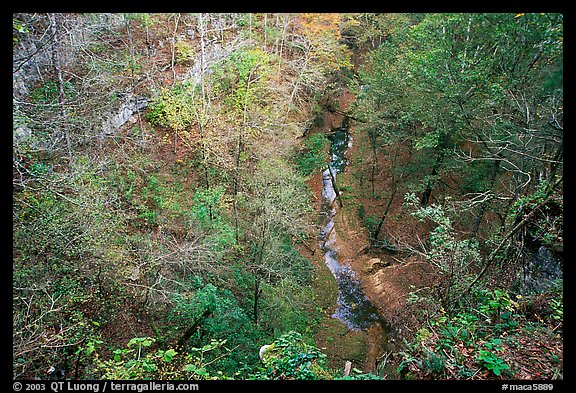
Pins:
<point x="386" y="283"/>
<point x="354" y="308"/>
<point x="366" y="349"/>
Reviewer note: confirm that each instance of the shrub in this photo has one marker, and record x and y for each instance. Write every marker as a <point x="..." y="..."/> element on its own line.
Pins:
<point x="184" y="51"/>
<point x="139" y="360"/>
<point x="312" y="155"/>
<point x="490" y="360"/>
<point x="289" y="357"/>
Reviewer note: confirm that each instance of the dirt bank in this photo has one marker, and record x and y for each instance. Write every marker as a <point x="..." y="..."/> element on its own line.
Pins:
<point x="386" y="283"/>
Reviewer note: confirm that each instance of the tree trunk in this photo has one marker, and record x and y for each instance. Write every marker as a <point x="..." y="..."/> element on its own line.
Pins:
<point x="188" y="333"/>
<point x="556" y="159"/>
<point x="430" y="184"/>
<point x="372" y="135"/>
<point x="173" y="49"/>
<point x="377" y="231"/>
<point x="257" y="292"/>
<point x="202" y="54"/>
<point x="234" y="201"/>
<point x="58" y="72"/>
<point x="394" y="189"/>
<point x="282" y="42"/>
<point x="265" y="28"/>
<point x="484" y="204"/>
<point x="257" y="289"/>
<point x="240" y="149"/>
<point x="437" y="165"/>
<point x="295" y="88"/>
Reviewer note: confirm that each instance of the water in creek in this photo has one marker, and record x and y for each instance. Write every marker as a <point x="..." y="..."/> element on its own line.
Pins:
<point x="354" y="309"/>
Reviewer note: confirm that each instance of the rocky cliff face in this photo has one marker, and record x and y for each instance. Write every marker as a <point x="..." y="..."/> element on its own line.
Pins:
<point x="28" y="65"/>
<point x="126" y="113"/>
<point x="32" y="51"/>
<point x="541" y="271"/>
<point x="34" y="61"/>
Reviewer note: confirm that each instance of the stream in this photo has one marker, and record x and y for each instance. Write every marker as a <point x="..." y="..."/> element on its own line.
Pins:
<point x="353" y="307"/>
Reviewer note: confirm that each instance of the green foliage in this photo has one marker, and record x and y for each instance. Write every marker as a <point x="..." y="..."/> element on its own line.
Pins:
<point x="490" y="360"/>
<point x="227" y="321"/>
<point x="131" y="64"/>
<point x="476" y="177"/>
<point x="140" y="361"/>
<point x="496" y="304"/>
<point x="19" y="28"/>
<point x="279" y="198"/>
<point x="439" y="83"/>
<point x="287" y="306"/>
<point x="241" y="79"/>
<point x="436" y="363"/>
<point x="430" y="140"/>
<point x="184" y="51"/>
<point x="370" y="221"/>
<point x="156" y="113"/>
<point x="530" y="201"/>
<point x="144" y="18"/>
<point x="208" y="212"/>
<point x="546" y="227"/>
<point x="175" y="108"/>
<point x="276" y="208"/>
<point x="476" y="331"/>
<point x="312" y="155"/>
<point x="557" y="306"/>
<point x="150" y="201"/>
<point x="53" y="231"/>
<point x="290" y="357"/>
<point x="369" y="30"/>
<point x="196" y="363"/>
<point x="149" y="197"/>
<point x="446" y="252"/>
<point x="207" y="206"/>
<point x="46" y="95"/>
<point x="83" y="222"/>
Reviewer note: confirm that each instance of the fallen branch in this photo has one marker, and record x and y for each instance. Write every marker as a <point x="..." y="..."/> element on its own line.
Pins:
<point x="341" y="112"/>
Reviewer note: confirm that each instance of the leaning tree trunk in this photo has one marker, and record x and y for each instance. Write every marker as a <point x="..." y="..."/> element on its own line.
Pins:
<point x="442" y="149"/>
<point x="195" y="326"/>
<point x="430" y="184"/>
<point x="379" y="228"/>
<point x="484" y="204"/>
<point x="395" y="182"/>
